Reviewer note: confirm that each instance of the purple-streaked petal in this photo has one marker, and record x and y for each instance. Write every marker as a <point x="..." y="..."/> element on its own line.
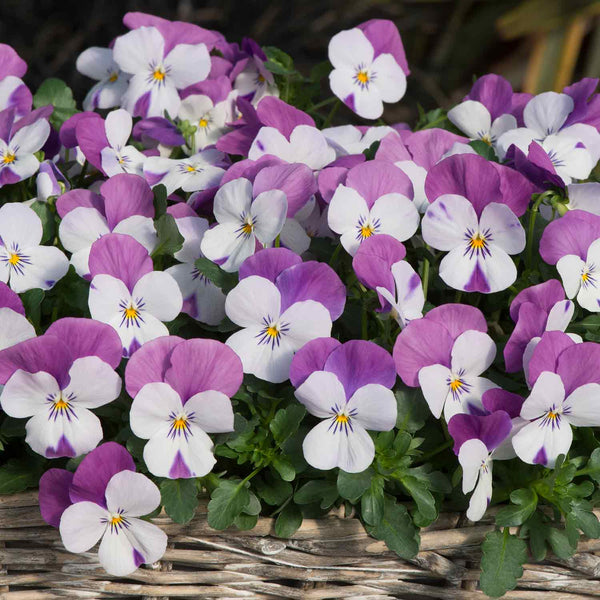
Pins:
<point x="490" y="429"/>
<point x="126" y="195"/>
<point x="311" y="357"/>
<point x="54" y="495"/>
<point x="571" y="234"/>
<point x="96" y="470"/>
<point x="374" y="179"/>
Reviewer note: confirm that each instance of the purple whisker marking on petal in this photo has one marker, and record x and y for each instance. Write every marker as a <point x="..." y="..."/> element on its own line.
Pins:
<point x="196" y="275"/>
<point x="587" y="277"/>
<point x="60" y="405"/>
<point x="478" y="243"/>
<point x="246" y="229"/>
<point x="540" y="458"/>
<point x="16" y="259"/>
<point x="272" y="332"/>
<point x="179" y="470"/>
<point x="557" y="162"/>
<point x="117" y="521"/>
<point x="189" y="169"/>
<point x="158" y="74"/>
<point x="63" y="448"/>
<point x="341" y="420"/>
<point x="363" y="77"/>
<point x="180" y="425"/>
<point x="260" y="146"/>
<point x="138" y="557"/>
<point x="551" y="419"/>
<point x="457" y="385"/>
<point x="367" y="228"/>
<point x="131" y="312"/>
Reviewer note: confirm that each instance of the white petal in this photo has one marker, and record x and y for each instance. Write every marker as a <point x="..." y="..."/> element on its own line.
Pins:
<point x="547" y="112"/>
<point x="135" y="51"/>
<point x="350" y="48"/>
<point x="389" y="80"/>
<point x="253" y="299"/>
<point x="212" y="410"/>
<point x="481" y="496"/>
<point x="269" y="208"/>
<point x="228" y="246"/>
<point x="270" y="141"/>
<point x="189" y="63"/>
<point x="473" y="352"/>
<point x="140" y="228"/>
<point x="160" y="294"/>
<point x="131" y="493"/>
<point x="582" y="406"/>
<point x="505" y="228"/>
<point x="446" y="221"/>
<point x="560" y="316"/>
<point x="93" y="382"/>
<point x="538" y="443"/>
<point x="118" y="128"/>
<point x="192" y="229"/>
<point x="306" y="321"/>
<point x="81" y="227"/>
<point x="294" y="237"/>
<point x="468" y="401"/>
<point x="409" y="290"/>
<point x="470" y="456"/>
<point x="24" y="394"/>
<point x="501" y="125"/>
<point x="417" y="176"/>
<point x="376" y="407"/>
<point x="47" y="265"/>
<point x="232" y="200"/>
<point x="96" y="63"/>
<point x="106" y="292"/>
<point x="151" y="408"/>
<point x="82" y="525"/>
<point x="346" y="210"/>
<point x="309" y="146"/>
<point x="472" y="118"/>
<point x="520" y="137"/>
<point x="20" y="225"/>
<point x="31" y="138"/>
<point x="397" y="214"/>
<point x="320" y="392"/>
<point x="433" y="380"/>
<point x="570" y="269"/>
<point x="548" y="393"/>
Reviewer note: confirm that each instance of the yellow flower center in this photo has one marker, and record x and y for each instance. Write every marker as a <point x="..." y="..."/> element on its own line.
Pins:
<point x="180" y="423"/>
<point x="113" y="77"/>
<point x="158" y="74"/>
<point x="585" y="276"/>
<point x="203" y="122"/>
<point x="477" y="242"/>
<point x="190" y="169"/>
<point x="61" y="404"/>
<point x="486" y="140"/>
<point x="272" y="331"/>
<point x="14" y="259"/>
<point x="116" y="521"/>
<point x="456" y="385"/>
<point x="8" y="158"/>
<point x="131" y="313"/>
<point x="366" y="231"/>
<point x="247" y="228"/>
<point x="362" y="77"/>
<point x="552" y="415"/>
<point x="342" y="418"/>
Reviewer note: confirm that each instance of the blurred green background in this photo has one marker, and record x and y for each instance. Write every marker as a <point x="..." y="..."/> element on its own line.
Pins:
<point x="537" y="44"/>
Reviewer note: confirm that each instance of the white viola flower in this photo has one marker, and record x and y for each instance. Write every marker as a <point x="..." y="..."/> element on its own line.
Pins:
<point x="552" y="415"/>
<point x="97" y="63"/>
<point x="201" y="171"/>
<point x="349" y="139"/>
<point x="478" y="248"/>
<point x="408" y="301"/>
<point x="360" y="80"/>
<point x="202" y="299"/>
<point x="255" y="79"/>
<point x="476" y="462"/>
<point x="474" y="119"/>
<point x="156" y="78"/>
<point x="118" y="157"/>
<point x="582" y="278"/>
<point x="342" y="439"/>
<point x="351" y="216"/>
<point x="24" y="263"/>
<point x="270" y="335"/>
<point x="306" y="145"/>
<point x="209" y="119"/>
<point x="242" y="222"/>
<point x="126" y="540"/>
<point x="459" y="389"/>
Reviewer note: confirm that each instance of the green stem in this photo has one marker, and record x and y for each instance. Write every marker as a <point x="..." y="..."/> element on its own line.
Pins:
<point x="249" y="477"/>
<point x="428" y="455"/>
<point x="334" y="255"/>
<point x="322" y="104"/>
<point x="331" y="114"/>
<point x="425" y="277"/>
<point x="364" y="322"/>
<point x="532" y="217"/>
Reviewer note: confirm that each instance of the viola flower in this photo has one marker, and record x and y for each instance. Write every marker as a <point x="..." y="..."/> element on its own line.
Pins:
<point x="202" y="299"/>
<point x="54" y="380"/>
<point x="13" y="92"/>
<point x="366" y="70"/>
<point x="18" y="143"/>
<point x="24" y="263"/>
<point x="580" y="277"/>
<point x="14" y="326"/>
<point x="127" y="294"/>
<point x="348" y="386"/>
<point x="201" y="171"/>
<point x="476" y="439"/>
<point x="281" y="303"/>
<point x="50" y="182"/>
<point x="374" y="200"/>
<point x="126" y="206"/>
<point x="97" y="63"/>
<point x="242" y="222"/>
<point x="177" y="404"/>
<point x="477" y="228"/>
<point x="378" y="265"/>
<point x="156" y="78"/>
<point x="349" y="139"/>
<point x="255" y="81"/>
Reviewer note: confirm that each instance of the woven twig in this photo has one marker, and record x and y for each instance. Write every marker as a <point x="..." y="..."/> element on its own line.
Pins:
<point x="327" y="558"/>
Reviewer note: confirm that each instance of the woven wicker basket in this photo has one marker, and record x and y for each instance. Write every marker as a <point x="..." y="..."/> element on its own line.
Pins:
<point x="327" y="558"/>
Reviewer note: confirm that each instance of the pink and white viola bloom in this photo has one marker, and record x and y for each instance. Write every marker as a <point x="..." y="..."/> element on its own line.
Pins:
<point x="97" y="63"/>
<point x="479" y="248"/>
<point x="118" y="157"/>
<point x="180" y="405"/>
<point x="126" y="540"/>
<point x="202" y="299"/>
<point x="155" y="78"/>
<point x="581" y="278"/>
<point x="349" y="139"/>
<point x="256" y="80"/>
<point x="361" y="80"/>
<point x="242" y="222"/>
<point x="201" y="171"/>
<point x="127" y="294"/>
<point x="458" y="388"/>
<point x="24" y="263"/>
<point x="552" y="414"/>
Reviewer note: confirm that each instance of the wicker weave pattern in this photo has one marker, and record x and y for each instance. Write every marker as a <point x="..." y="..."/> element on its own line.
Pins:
<point x="327" y="558"/>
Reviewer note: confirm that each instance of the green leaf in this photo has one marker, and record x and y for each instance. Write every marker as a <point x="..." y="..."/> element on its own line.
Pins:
<point x="324" y="492"/>
<point x="352" y="486"/>
<point x="583" y="518"/>
<point x="32" y="301"/>
<point x="169" y="238"/>
<point x="180" y="498"/>
<point x="284" y="467"/>
<point x="222" y="279"/>
<point x="286" y="422"/>
<point x="288" y="521"/>
<point x="253" y="507"/>
<point x="537" y="530"/>
<point x="18" y="475"/>
<point x="278" y="61"/>
<point x="13" y="427"/>
<point x="372" y="150"/>
<point x="160" y="200"/>
<point x="560" y="543"/>
<point x="512" y="516"/>
<point x="503" y="556"/>
<point x="593" y="465"/>
<point x="43" y="211"/>
<point x="372" y="502"/>
<point x="413" y="411"/>
<point x="320" y="71"/>
<point x="484" y="150"/>
<point x="422" y="496"/>
<point x="273" y="490"/>
<point x="245" y="522"/>
<point x="56" y="93"/>
<point x="397" y="530"/>
<point x="226" y="503"/>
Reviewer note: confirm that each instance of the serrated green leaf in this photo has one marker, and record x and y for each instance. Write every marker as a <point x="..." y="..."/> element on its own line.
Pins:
<point x="503" y="557"/>
<point x="222" y="279"/>
<point x="422" y="496"/>
<point x="537" y="530"/>
<point x="584" y="519"/>
<point x="288" y="521"/>
<point x="179" y="498"/>
<point x="324" y="492"/>
<point x="352" y="486"/>
<point x="43" y="211"/>
<point x="593" y="465"/>
<point x="272" y="489"/>
<point x="286" y="422"/>
<point x="275" y="55"/>
<point x="18" y="475"/>
<point x="525" y="501"/>
<point x="284" y="467"/>
<point x="169" y="238"/>
<point x="397" y="530"/>
<point x="56" y="93"/>
<point x="372" y="502"/>
<point x="560" y="544"/>
<point x="413" y="411"/>
<point x="226" y="503"/>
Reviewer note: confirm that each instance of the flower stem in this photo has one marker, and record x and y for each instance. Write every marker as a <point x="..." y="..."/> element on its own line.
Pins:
<point x="425" y="277"/>
<point x="331" y="114"/>
<point x="532" y="217"/>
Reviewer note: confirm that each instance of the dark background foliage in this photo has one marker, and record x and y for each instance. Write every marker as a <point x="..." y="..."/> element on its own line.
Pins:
<point x="448" y="42"/>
